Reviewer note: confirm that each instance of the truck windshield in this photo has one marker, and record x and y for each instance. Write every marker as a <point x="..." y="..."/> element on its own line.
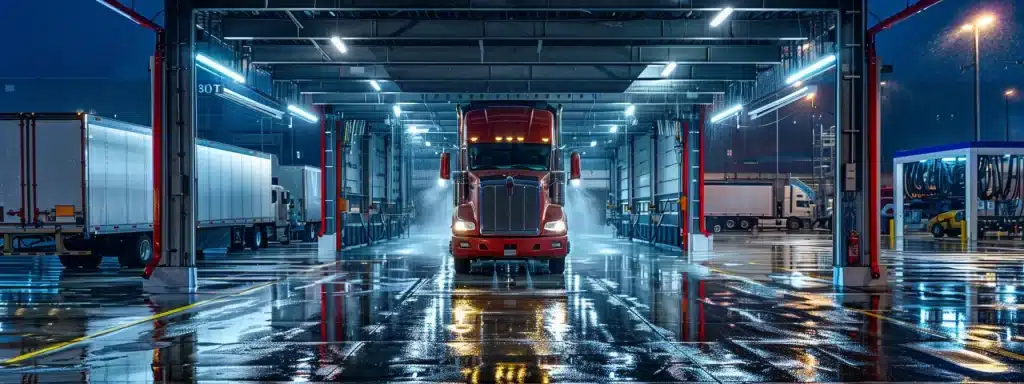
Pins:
<point x="509" y="156"/>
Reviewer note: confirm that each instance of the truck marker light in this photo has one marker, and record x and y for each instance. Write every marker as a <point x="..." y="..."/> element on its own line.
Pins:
<point x="497" y="138"/>
<point x="544" y="139"/>
<point x="508" y="138"/>
<point x="519" y="139"/>
<point x="474" y="139"/>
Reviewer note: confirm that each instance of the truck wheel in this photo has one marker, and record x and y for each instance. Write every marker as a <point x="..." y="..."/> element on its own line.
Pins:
<point x="744" y="224"/>
<point x="730" y="224"/>
<point x="310" y="233"/>
<point x="557" y="266"/>
<point x="716" y="228"/>
<point x="285" y="237"/>
<point x="255" y="238"/>
<point x="266" y="236"/>
<point x="462" y="266"/>
<point x="136" y="252"/>
<point x="793" y="224"/>
<point x="237" y="239"/>
<point x="938" y="231"/>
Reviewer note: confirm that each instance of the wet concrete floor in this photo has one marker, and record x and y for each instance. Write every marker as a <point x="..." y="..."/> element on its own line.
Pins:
<point x="756" y="309"/>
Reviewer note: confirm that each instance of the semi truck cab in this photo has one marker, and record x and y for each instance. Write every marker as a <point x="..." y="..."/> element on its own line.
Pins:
<point x="509" y="185"/>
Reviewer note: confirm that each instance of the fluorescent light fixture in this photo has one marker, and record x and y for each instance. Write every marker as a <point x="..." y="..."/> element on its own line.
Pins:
<point x="575" y="183"/>
<point x="303" y="114"/>
<point x="721" y="16"/>
<point x="630" y="110"/>
<point x="375" y="85"/>
<point x="728" y="112"/>
<point x="338" y="44"/>
<point x="781" y="102"/>
<point x="427" y="143"/>
<point x="397" y="110"/>
<point x="668" y="69"/>
<point x="440" y="182"/>
<point x="593" y="143"/>
<point x="613" y="129"/>
<point x="412" y="129"/>
<point x="216" y="67"/>
<point x="812" y="69"/>
<point x="252" y="104"/>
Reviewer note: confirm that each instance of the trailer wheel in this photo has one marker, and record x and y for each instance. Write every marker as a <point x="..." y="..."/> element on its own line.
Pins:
<point x="462" y="266"/>
<point x="556" y="265"/>
<point x="938" y="231"/>
<point x="237" y="239"/>
<point x="136" y="252"/>
<point x="310" y="233"/>
<point x="254" y="238"/>
<point x="744" y="224"/>
<point x="730" y="224"/>
<point x="716" y="228"/>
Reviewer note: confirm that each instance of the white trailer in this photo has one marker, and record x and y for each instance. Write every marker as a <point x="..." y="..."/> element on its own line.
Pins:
<point x="302" y="184"/>
<point x="81" y="186"/>
<point x="730" y="205"/>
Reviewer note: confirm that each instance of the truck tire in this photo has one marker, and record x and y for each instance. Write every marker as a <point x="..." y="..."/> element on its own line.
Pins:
<point x="310" y="233"/>
<point x="253" y="238"/>
<point x="793" y="224"/>
<point x="730" y="224"/>
<point x="716" y="228"/>
<point x="266" y="236"/>
<point x="938" y="231"/>
<point x="135" y="252"/>
<point x="237" y="239"/>
<point x="462" y="266"/>
<point x="287" y="237"/>
<point x="557" y="266"/>
<point x="744" y="224"/>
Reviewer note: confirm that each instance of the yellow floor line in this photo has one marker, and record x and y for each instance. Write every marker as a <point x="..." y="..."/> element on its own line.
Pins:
<point x="104" y="332"/>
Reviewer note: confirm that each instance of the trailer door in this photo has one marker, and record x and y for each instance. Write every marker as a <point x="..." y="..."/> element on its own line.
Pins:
<point x="12" y="143"/>
<point x="56" y="168"/>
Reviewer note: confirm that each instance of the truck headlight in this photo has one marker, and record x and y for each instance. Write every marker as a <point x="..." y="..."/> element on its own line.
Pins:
<point x="464" y="226"/>
<point x="555" y="226"/>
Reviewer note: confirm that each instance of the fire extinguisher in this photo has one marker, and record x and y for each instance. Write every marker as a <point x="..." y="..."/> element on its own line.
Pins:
<point x="853" y="249"/>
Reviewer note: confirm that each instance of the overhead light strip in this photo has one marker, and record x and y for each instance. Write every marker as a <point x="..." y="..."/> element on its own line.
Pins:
<point x="819" y="66"/>
<point x="668" y="69"/>
<point x="252" y="104"/>
<point x="727" y="113"/>
<point x="375" y="85"/>
<point x="721" y="16"/>
<point x="214" y="66"/>
<point x="338" y="44"/>
<point x="782" y="102"/>
<point x="303" y="114"/>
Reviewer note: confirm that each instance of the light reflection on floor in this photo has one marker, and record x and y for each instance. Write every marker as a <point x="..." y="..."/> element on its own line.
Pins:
<point x="756" y="309"/>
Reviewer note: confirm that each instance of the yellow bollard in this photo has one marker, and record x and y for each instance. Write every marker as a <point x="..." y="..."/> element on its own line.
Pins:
<point x="892" y="233"/>
<point x="963" y="232"/>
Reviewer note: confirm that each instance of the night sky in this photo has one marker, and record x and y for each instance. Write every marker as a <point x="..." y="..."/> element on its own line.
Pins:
<point x="928" y="101"/>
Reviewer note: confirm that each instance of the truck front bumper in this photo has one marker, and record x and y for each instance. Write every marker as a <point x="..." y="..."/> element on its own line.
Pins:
<point x="510" y="247"/>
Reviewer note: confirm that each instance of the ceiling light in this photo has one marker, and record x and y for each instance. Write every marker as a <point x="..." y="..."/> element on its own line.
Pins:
<point x="728" y="112"/>
<point x="613" y="129"/>
<point x="630" y="110"/>
<point x="593" y="143"/>
<point x="412" y="129"/>
<point x="812" y="69"/>
<point x="303" y="114"/>
<point x="216" y="67"/>
<point x="575" y="183"/>
<point x="252" y="104"/>
<point x="427" y="143"/>
<point x="668" y="69"/>
<point x="781" y="102"/>
<point x="721" y="16"/>
<point x="375" y="85"/>
<point x="338" y="44"/>
<point x="397" y="110"/>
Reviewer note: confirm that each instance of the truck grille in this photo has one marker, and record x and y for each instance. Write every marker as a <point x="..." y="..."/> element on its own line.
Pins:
<point x="502" y="214"/>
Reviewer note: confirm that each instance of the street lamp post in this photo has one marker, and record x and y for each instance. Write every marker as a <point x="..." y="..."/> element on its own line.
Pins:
<point x="979" y="23"/>
<point x="1006" y="97"/>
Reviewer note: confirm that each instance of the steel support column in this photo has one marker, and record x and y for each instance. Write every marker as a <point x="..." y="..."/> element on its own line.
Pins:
<point x="176" y="269"/>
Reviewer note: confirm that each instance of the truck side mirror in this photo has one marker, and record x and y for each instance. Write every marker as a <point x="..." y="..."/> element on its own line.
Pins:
<point x="446" y="165"/>
<point x="574" y="166"/>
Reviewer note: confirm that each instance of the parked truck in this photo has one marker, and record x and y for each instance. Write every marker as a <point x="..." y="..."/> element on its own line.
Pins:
<point x="509" y="184"/>
<point x="81" y="186"/>
<point x="743" y="205"/>
<point x="301" y="184"/>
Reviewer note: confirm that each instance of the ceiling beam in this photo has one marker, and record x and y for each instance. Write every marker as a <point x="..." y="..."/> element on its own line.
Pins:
<point x="521" y="5"/>
<point x="573" y="86"/>
<point x="553" y="98"/>
<point x="504" y="55"/>
<point x="257" y="28"/>
<point x="477" y="72"/>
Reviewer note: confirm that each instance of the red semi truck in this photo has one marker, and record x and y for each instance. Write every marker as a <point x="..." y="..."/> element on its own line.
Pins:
<point x="509" y="184"/>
